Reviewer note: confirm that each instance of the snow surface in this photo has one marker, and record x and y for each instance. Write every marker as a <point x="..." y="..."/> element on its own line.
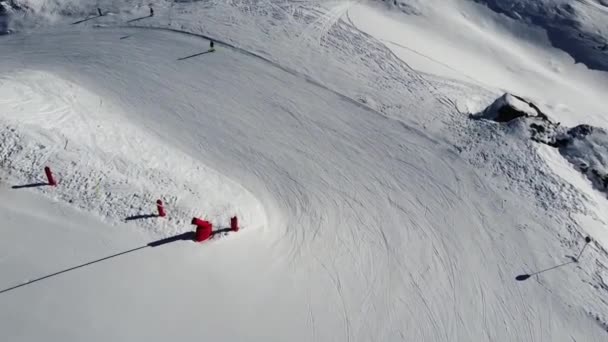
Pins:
<point x="105" y="164"/>
<point x="382" y="212"/>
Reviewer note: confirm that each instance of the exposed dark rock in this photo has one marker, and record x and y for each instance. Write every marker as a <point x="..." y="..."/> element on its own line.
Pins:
<point x="510" y="107"/>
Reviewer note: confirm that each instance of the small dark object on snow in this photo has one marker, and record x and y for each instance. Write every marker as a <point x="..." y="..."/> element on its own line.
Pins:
<point x="99" y="12"/>
<point x="522" y="277"/>
<point x="151" y="11"/>
<point x="211" y="44"/>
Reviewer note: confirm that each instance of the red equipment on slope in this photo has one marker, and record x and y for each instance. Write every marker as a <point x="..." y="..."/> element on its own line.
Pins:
<point x="204" y="229"/>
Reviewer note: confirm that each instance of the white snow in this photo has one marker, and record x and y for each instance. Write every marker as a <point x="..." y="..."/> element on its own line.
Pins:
<point x="380" y="211"/>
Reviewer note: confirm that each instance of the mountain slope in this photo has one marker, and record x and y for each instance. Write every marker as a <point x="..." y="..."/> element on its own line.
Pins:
<point x="390" y="215"/>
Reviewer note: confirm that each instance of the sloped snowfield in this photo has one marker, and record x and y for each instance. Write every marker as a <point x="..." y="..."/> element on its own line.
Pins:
<point x="378" y="210"/>
<point x="107" y="165"/>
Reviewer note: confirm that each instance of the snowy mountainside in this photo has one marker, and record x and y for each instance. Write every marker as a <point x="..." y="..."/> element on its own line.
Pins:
<point x="580" y="28"/>
<point x="470" y="42"/>
<point x="388" y="214"/>
<point x="584" y="146"/>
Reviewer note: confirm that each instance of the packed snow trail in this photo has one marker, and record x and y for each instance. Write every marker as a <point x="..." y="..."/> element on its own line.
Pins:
<point x="376" y="230"/>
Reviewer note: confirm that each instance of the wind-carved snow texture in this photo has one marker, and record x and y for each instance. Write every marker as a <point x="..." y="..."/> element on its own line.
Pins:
<point x="104" y="164"/>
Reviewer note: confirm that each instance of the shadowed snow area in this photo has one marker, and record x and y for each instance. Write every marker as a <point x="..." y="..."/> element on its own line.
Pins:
<point x="381" y="211"/>
<point x="580" y="28"/>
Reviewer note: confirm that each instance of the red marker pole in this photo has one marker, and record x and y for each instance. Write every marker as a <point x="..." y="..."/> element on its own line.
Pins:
<point x="160" y="208"/>
<point x="49" y="176"/>
<point x="234" y="224"/>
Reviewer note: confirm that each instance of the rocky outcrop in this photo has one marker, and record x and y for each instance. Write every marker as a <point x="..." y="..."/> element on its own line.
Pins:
<point x="510" y="107"/>
<point x="584" y="146"/>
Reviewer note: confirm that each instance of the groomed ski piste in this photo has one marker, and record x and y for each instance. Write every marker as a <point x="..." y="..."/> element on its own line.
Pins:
<point x="372" y="207"/>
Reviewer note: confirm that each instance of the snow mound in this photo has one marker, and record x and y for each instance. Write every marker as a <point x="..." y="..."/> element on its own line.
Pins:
<point x="104" y="164"/>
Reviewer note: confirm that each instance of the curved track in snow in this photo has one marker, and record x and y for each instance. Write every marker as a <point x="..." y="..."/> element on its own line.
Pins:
<point x="377" y="231"/>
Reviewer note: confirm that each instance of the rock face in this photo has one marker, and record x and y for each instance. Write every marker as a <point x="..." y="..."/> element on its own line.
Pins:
<point x="584" y="146"/>
<point x="509" y="107"/>
<point x="587" y="148"/>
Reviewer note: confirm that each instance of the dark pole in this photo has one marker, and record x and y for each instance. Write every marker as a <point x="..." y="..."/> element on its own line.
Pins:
<point x="587" y="240"/>
<point x="523" y="277"/>
<point x="72" y="268"/>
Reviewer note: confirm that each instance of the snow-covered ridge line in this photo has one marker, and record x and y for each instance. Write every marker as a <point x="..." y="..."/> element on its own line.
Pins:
<point x="104" y="164"/>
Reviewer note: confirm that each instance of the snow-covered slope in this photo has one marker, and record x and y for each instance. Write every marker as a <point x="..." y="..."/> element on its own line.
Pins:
<point x="580" y="28"/>
<point x="469" y="42"/>
<point x="105" y="163"/>
<point x="383" y="213"/>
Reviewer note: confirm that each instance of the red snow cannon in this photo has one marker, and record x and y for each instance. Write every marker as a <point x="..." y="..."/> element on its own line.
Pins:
<point x="204" y="229"/>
